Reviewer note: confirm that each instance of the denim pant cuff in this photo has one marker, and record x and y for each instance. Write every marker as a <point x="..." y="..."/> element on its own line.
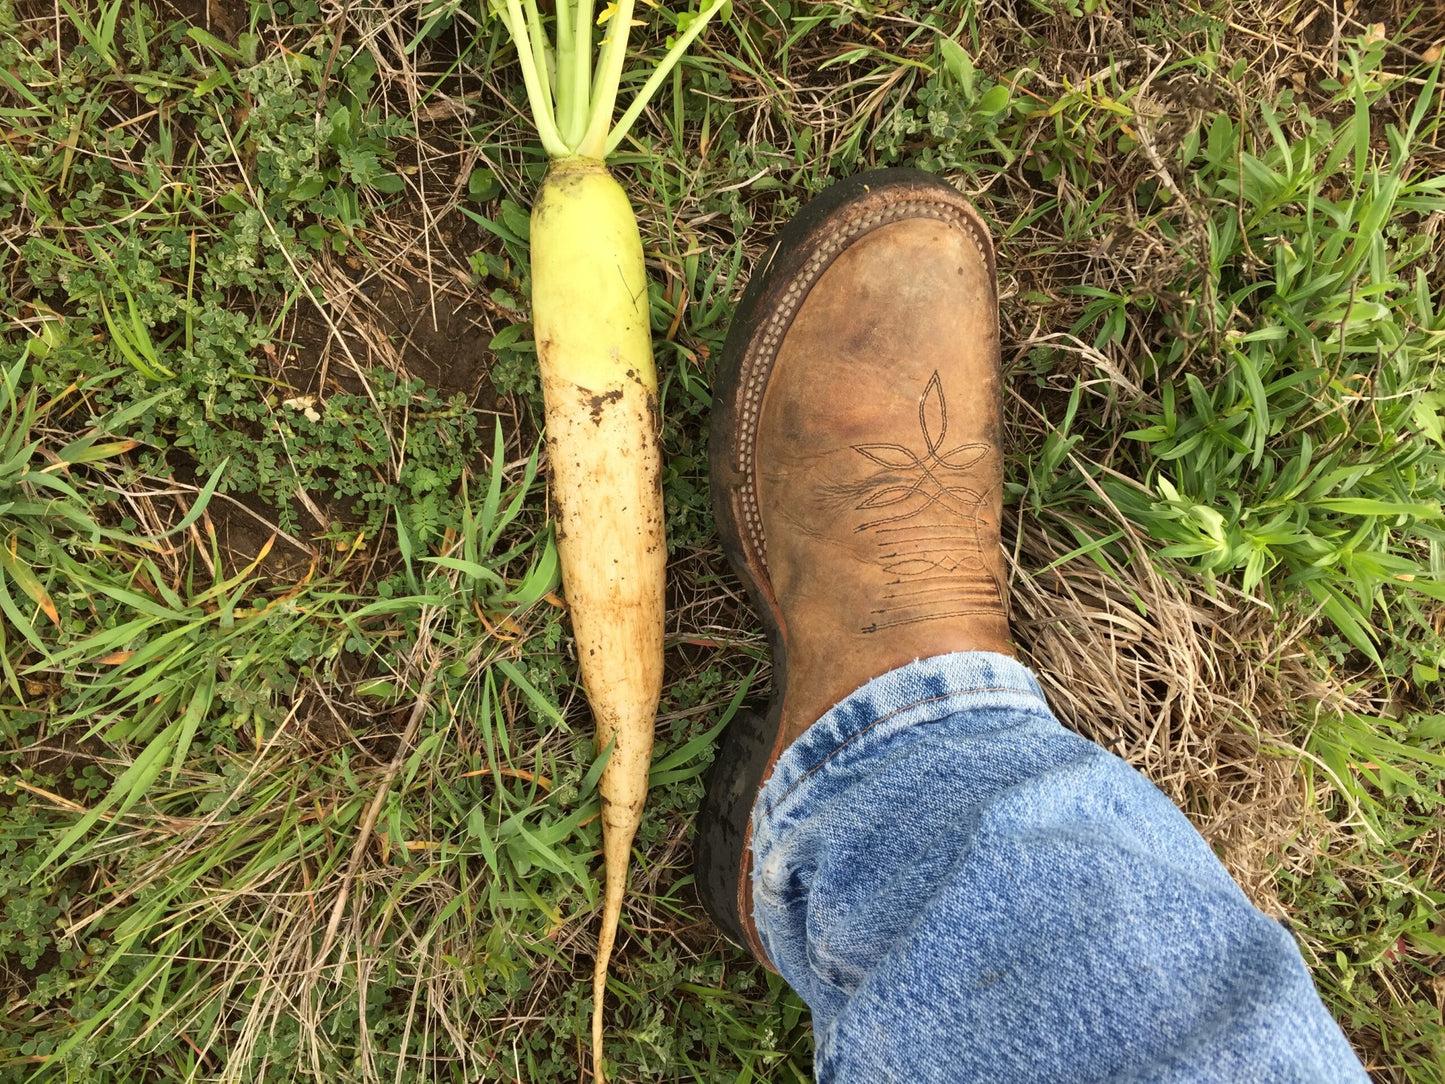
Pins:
<point x="915" y="694"/>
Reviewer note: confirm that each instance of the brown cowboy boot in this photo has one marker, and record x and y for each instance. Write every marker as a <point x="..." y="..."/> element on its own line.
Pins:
<point x="856" y="473"/>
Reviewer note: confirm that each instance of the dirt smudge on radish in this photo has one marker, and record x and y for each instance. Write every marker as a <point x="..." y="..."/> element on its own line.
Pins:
<point x="598" y="402"/>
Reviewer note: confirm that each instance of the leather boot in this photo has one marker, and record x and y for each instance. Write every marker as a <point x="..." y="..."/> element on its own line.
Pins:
<point x="856" y="473"/>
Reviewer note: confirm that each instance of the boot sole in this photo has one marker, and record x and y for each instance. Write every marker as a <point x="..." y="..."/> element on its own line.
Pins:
<point x="797" y="258"/>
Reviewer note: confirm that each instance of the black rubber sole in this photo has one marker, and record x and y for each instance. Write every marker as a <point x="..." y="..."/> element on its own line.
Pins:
<point x="728" y="792"/>
<point x="746" y="748"/>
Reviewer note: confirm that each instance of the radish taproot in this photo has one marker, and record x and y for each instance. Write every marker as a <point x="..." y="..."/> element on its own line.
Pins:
<point x="591" y="323"/>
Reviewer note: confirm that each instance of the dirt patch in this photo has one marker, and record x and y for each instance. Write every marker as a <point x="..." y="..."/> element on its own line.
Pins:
<point x="245" y="531"/>
<point x="440" y="338"/>
<point x="224" y="18"/>
<point x="1324" y="22"/>
<point x="246" y="535"/>
<point x="412" y="309"/>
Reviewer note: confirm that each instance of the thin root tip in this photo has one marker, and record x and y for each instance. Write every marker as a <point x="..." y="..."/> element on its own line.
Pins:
<point x="599" y="990"/>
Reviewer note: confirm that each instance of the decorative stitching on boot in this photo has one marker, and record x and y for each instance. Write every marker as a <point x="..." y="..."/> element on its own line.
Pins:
<point x="926" y="558"/>
<point x="757" y="363"/>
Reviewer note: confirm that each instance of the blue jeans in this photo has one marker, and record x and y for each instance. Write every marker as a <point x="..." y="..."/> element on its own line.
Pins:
<point x="963" y="890"/>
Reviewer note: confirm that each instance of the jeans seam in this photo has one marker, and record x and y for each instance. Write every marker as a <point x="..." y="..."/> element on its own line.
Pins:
<point x="883" y="719"/>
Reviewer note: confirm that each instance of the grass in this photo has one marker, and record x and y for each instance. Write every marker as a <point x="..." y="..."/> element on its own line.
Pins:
<point x="295" y="782"/>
